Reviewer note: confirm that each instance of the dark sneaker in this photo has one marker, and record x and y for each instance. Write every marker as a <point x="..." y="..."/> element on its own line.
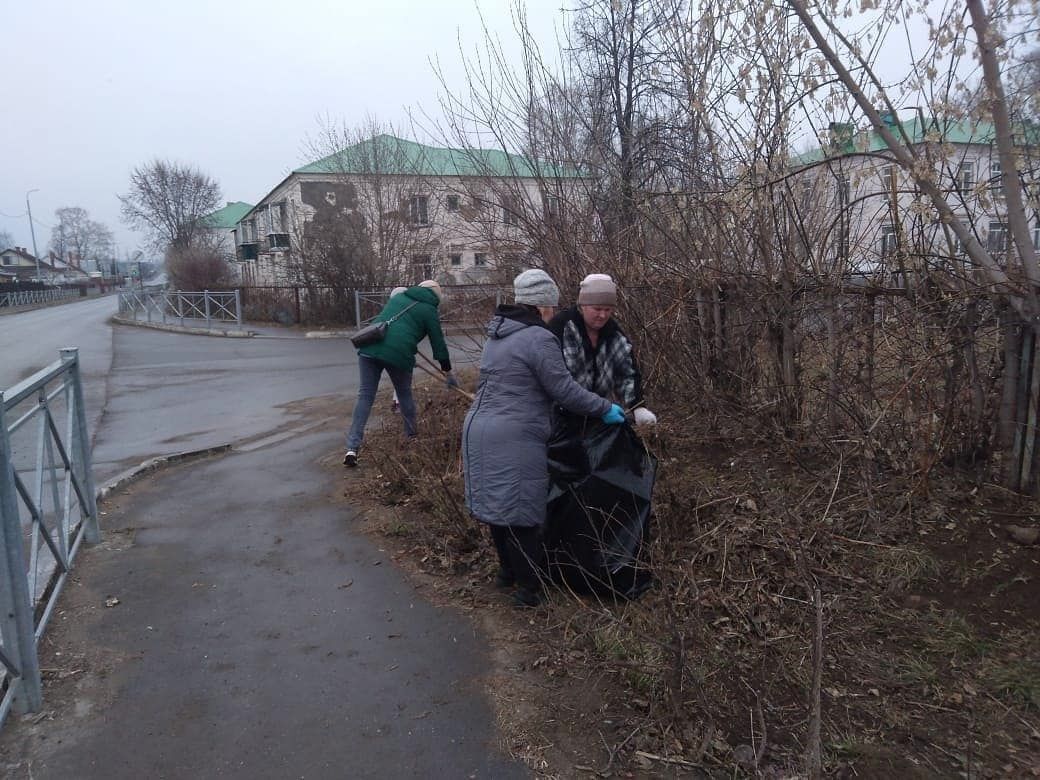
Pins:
<point x="526" y="599"/>
<point x="504" y="579"/>
<point x="350" y="459"/>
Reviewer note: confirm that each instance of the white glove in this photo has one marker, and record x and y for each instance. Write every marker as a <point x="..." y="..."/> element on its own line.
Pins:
<point x="644" y="416"/>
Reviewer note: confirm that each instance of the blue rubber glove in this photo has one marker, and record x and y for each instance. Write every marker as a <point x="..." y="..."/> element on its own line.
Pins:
<point x="451" y="380"/>
<point x="614" y="416"/>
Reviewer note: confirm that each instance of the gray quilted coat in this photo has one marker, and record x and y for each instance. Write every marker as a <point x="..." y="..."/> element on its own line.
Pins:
<point x="507" y="428"/>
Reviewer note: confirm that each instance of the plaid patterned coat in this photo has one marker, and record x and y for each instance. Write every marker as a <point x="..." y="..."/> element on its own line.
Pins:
<point x="609" y="369"/>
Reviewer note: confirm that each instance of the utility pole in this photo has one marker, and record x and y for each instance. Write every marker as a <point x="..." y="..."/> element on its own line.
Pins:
<point x="32" y="232"/>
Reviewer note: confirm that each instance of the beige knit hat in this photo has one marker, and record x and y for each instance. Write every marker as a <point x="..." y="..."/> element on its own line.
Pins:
<point x="597" y="290"/>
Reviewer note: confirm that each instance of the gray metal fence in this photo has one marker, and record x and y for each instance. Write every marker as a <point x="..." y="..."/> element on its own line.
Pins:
<point x="199" y="309"/>
<point x="31" y="297"/>
<point x="39" y="542"/>
<point x="460" y="303"/>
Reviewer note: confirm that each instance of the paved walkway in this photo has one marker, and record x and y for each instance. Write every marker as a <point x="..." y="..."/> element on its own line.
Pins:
<point x="256" y="635"/>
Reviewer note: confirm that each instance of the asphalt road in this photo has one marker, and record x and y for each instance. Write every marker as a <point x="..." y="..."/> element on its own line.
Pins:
<point x="31" y="340"/>
<point x="256" y="634"/>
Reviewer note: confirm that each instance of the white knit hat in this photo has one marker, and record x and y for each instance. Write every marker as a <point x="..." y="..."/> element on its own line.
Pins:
<point x="430" y="283"/>
<point x="535" y="288"/>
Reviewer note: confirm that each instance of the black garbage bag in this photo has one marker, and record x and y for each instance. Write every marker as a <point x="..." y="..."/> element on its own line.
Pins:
<point x="601" y="480"/>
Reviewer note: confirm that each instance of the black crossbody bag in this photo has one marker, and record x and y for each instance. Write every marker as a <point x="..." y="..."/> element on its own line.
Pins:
<point x="376" y="331"/>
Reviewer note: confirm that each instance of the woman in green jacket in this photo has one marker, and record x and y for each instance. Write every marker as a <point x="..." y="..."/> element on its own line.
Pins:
<point x="417" y="318"/>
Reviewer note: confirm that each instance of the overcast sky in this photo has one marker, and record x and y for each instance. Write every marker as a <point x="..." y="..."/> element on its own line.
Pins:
<point x="92" y="89"/>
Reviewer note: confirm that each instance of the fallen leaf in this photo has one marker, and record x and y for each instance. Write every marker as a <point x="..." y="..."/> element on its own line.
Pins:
<point x="1023" y="535"/>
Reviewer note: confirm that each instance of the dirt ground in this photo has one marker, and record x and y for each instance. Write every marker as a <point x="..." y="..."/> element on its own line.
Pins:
<point x="929" y="663"/>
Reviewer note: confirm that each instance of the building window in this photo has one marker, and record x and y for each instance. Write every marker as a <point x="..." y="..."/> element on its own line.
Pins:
<point x="966" y="177"/>
<point x="423" y="265"/>
<point x="451" y="203"/>
<point x="418" y="210"/>
<point x="480" y="259"/>
<point x="278" y="240"/>
<point x="996" y="176"/>
<point x="1036" y="237"/>
<point x="844" y="190"/>
<point x="509" y="211"/>
<point x="455" y="259"/>
<point x="889" y="178"/>
<point x="553" y="205"/>
<point x="997" y="239"/>
<point x="843" y="243"/>
<point x="889" y="240"/>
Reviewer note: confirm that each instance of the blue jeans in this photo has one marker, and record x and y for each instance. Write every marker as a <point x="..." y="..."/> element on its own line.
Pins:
<point x="369" y="372"/>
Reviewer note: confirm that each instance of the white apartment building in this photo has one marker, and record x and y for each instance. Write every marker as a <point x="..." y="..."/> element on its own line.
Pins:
<point x="409" y="210"/>
<point x="866" y="216"/>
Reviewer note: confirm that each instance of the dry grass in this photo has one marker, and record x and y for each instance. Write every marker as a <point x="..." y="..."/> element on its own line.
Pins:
<point x="917" y="673"/>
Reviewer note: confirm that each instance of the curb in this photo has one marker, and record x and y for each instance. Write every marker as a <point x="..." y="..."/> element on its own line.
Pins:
<point x="154" y="464"/>
<point x="239" y="334"/>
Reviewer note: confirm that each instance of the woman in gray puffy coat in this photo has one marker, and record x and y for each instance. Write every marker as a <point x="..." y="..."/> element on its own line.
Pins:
<point x="506" y="431"/>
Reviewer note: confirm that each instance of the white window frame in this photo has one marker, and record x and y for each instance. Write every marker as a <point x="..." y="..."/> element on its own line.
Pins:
<point x="889" y="240"/>
<point x="966" y="177"/>
<point x="993" y="243"/>
<point x="844" y="190"/>
<point x="419" y="210"/>
<point x="996" y="175"/>
<point x="890" y="178"/>
<point x="480" y="259"/>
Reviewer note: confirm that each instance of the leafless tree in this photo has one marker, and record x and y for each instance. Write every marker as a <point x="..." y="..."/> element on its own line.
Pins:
<point x="381" y="226"/>
<point x="78" y="239"/>
<point x="167" y="200"/>
<point x="200" y="266"/>
<point x="6" y="240"/>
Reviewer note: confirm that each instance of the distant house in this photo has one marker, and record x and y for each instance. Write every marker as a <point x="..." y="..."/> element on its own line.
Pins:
<point x="868" y="215"/>
<point x="220" y="226"/>
<point x="398" y="212"/>
<point x="66" y="271"/>
<point x="21" y="265"/>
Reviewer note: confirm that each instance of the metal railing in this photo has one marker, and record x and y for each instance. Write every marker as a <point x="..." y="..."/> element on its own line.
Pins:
<point x="186" y="308"/>
<point x="30" y="297"/>
<point x="459" y="303"/>
<point x="39" y="543"/>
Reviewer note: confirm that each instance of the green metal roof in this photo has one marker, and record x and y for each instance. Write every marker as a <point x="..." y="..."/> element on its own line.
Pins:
<point x="227" y="217"/>
<point x="931" y="130"/>
<point x="387" y="154"/>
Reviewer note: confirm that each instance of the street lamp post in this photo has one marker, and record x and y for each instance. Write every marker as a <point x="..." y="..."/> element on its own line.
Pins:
<point x="32" y="232"/>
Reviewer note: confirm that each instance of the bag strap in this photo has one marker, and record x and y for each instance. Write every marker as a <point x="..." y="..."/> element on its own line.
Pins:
<point x="406" y="308"/>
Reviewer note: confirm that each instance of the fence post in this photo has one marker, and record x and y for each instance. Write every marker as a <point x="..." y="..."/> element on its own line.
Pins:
<point x="16" y="613"/>
<point x="81" y="446"/>
<point x="357" y="309"/>
<point x="205" y="305"/>
<point x="165" y="304"/>
<point x="238" y="307"/>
